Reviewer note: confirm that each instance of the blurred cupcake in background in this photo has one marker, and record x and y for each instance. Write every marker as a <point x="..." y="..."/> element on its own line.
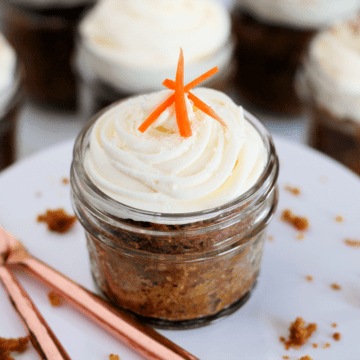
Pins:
<point x="330" y="84"/>
<point x="10" y="97"/>
<point x="272" y="36"/>
<point x="128" y="47"/>
<point x="42" y="33"/>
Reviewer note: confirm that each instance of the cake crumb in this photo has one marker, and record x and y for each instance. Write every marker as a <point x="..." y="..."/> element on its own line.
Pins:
<point x="306" y="357"/>
<point x="65" y="180"/>
<point x="300" y="223"/>
<point x="57" y="220"/>
<point x="285" y="357"/>
<point x="337" y="336"/>
<point x="334" y="325"/>
<point x="55" y="299"/>
<point x="12" y="345"/>
<point x="335" y="286"/>
<point x="339" y="219"/>
<point x="315" y="345"/>
<point x="293" y="190"/>
<point x="270" y="238"/>
<point x="327" y="345"/>
<point x="114" y="357"/>
<point x="309" y="278"/>
<point x="352" y="243"/>
<point x="299" y="333"/>
<point x="300" y="236"/>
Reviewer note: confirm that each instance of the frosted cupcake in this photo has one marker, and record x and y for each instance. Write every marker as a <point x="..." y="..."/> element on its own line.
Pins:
<point x="331" y="75"/>
<point x="130" y="46"/>
<point x="272" y="37"/>
<point x="42" y="32"/>
<point x="10" y="96"/>
<point x="175" y="191"/>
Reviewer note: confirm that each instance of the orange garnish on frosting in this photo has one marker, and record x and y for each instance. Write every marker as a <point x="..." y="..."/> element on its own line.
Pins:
<point x="178" y="98"/>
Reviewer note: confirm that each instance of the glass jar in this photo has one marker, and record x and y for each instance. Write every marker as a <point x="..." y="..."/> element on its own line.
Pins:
<point x="43" y="37"/>
<point x="175" y="270"/>
<point x="101" y="89"/>
<point x="9" y="108"/>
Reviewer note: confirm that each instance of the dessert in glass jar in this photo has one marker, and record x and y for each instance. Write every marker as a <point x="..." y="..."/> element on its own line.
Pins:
<point x="10" y="98"/>
<point x="175" y="191"/>
<point x="130" y="47"/>
<point x="272" y="37"/>
<point x="42" y="33"/>
<point x="329" y="82"/>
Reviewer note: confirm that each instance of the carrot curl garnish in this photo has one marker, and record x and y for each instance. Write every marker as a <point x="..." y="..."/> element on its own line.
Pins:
<point x="178" y="98"/>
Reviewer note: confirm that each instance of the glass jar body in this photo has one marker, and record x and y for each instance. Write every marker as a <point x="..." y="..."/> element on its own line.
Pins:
<point x="44" y="41"/>
<point x="9" y="109"/>
<point x="265" y="73"/>
<point x="175" y="270"/>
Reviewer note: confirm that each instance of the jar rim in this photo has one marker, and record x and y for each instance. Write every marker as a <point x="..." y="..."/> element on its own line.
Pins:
<point x="78" y="170"/>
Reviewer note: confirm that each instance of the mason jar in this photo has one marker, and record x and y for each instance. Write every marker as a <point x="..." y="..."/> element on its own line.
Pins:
<point x="43" y="37"/>
<point x="175" y="270"/>
<point x="10" y="102"/>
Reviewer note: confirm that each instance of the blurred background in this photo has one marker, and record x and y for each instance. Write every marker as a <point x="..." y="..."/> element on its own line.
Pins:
<point x="294" y="64"/>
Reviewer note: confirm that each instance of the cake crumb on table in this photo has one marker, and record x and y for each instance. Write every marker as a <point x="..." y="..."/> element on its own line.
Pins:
<point x="65" y="180"/>
<point x="12" y="345"/>
<point x="300" y="223"/>
<point x="299" y="333"/>
<point x="55" y="299"/>
<point x="309" y="278"/>
<point x="270" y="238"/>
<point x="339" y="218"/>
<point x="335" y="286"/>
<point x="306" y="357"/>
<point x="327" y="345"/>
<point x="57" y="220"/>
<point x="293" y="190"/>
<point x="337" y="336"/>
<point x="352" y="243"/>
<point x="315" y="345"/>
<point x="300" y="236"/>
<point x="114" y="357"/>
<point x="334" y="325"/>
<point x="285" y="357"/>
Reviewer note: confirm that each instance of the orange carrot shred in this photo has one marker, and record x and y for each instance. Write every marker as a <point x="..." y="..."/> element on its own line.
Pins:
<point x="156" y="113"/>
<point x="180" y="105"/>
<point x="178" y="97"/>
<point x="205" y="108"/>
<point x="171" y="84"/>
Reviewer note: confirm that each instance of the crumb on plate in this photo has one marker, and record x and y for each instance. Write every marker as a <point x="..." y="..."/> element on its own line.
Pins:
<point x="306" y="357"/>
<point x="309" y="278"/>
<point x="300" y="223"/>
<point x="327" y="345"/>
<point x="335" y="286"/>
<point x="114" y="357"/>
<point x="57" y="220"/>
<point x="337" y="336"/>
<point x="293" y="190"/>
<point x="9" y="345"/>
<point x="54" y="299"/>
<point x="299" y="333"/>
<point x="352" y="243"/>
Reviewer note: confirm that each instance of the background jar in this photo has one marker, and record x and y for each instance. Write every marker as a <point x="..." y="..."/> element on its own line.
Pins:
<point x="43" y="37"/>
<point x="10" y="103"/>
<point x="272" y="38"/>
<point x="175" y="270"/>
<point x="102" y="82"/>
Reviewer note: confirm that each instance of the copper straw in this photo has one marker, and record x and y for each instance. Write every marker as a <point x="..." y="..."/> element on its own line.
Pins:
<point x="145" y="340"/>
<point x="41" y="336"/>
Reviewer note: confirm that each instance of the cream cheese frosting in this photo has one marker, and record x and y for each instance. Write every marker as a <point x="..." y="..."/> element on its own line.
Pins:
<point x="7" y="72"/>
<point x="134" y="44"/>
<point x="332" y="69"/>
<point x="301" y="13"/>
<point x="159" y="170"/>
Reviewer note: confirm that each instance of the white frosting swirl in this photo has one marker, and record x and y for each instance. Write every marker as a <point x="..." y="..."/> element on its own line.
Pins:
<point x="332" y="69"/>
<point x="301" y="13"/>
<point x="7" y="72"/>
<point x="160" y="171"/>
<point x="134" y="44"/>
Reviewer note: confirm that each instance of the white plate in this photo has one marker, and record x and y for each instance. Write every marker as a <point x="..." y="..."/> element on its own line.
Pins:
<point x="282" y="294"/>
